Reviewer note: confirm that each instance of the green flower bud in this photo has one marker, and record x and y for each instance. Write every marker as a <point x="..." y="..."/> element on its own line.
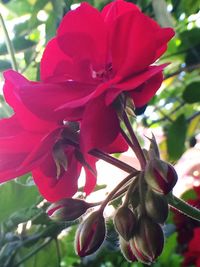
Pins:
<point x="68" y="209"/>
<point x="160" y="176"/>
<point x="156" y="206"/>
<point x="135" y="198"/>
<point x="126" y="250"/>
<point x="90" y="234"/>
<point x="125" y="221"/>
<point x="147" y="243"/>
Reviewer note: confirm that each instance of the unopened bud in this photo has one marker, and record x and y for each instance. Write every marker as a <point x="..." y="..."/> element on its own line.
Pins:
<point x="160" y="176"/>
<point x="125" y="221"/>
<point x="135" y="198"/>
<point x="147" y="243"/>
<point x="156" y="206"/>
<point x="126" y="250"/>
<point x="90" y="234"/>
<point x="153" y="149"/>
<point x="68" y="209"/>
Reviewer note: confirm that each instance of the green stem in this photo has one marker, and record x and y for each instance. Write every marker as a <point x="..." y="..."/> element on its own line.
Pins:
<point x="130" y="190"/>
<point x="8" y="44"/>
<point x="115" y="190"/>
<point x="114" y="161"/>
<point x="58" y="251"/>
<point x="135" y="144"/>
<point x="183" y="207"/>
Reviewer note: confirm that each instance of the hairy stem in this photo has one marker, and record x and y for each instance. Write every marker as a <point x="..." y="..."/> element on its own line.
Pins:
<point x="135" y="144"/>
<point x="115" y="190"/>
<point x="183" y="207"/>
<point x="114" y="161"/>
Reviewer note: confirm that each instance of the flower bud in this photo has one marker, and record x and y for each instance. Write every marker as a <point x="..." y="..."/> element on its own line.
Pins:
<point x="153" y="149"/>
<point x="126" y="250"/>
<point x="147" y="243"/>
<point x="160" y="176"/>
<point x="135" y="198"/>
<point x="125" y="221"/>
<point x="90" y="234"/>
<point x="156" y="206"/>
<point x="68" y="209"/>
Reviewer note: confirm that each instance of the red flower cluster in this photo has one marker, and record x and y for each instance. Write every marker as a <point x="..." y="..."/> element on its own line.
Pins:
<point x="189" y="233"/>
<point x="95" y="58"/>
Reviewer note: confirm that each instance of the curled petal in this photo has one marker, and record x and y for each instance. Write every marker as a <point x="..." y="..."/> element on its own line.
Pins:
<point x="135" y="82"/>
<point x="143" y="94"/>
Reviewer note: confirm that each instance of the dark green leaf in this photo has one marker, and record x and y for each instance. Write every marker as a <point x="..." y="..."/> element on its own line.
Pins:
<point x="191" y="93"/>
<point x="4" y="64"/>
<point x="39" y="5"/>
<point x="176" y="138"/>
<point x="19" y="43"/>
<point x="14" y="196"/>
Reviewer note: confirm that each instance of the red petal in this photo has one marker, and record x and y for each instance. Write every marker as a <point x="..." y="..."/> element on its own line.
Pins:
<point x="136" y="41"/>
<point x="56" y="66"/>
<point x="52" y="59"/>
<point x="52" y="188"/>
<point x="90" y="177"/>
<point x="45" y="99"/>
<point x="163" y="36"/>
<point x="84" y="26"/>
<point x="14" y="82"/>
<point x="16" y="147"/>
<point x="100" y="125"/>
<point x="143" y="94"/>
<point x="119" y="145"/>
<point x="115" y="9"/>
<point x="133" y="82"/>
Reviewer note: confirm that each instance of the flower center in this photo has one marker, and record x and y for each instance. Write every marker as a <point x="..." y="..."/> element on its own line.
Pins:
<point x="103" y="74"/>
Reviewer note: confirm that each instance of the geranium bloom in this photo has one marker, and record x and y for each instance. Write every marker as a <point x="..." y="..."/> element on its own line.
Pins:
<point x="48" y="149"/>
<point x="95" y="57"/>
<point x="188" y="233"/>
<point x="192" y="256"/>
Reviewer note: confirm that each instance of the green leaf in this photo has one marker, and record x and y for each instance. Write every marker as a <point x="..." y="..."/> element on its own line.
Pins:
<point x="185" y="6"/>
<point x="45" y="257"/>
<point x="191" y="93"/>
<point x="39" y="5"/>
<point x="22" y="215"/>
<point x="176" y="136"/>
<point x="19" y="8"/>
<point x="19" y="43"/>
<point x="4" y="64"/>
<point x="14" y="196"/>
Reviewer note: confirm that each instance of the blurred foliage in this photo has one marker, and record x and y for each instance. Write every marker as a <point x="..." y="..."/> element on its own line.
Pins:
<point x="27" y="237"/>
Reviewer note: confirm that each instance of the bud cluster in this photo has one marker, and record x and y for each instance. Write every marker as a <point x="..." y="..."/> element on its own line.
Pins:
<point x="138" y="221"/>
<point x="140" y="234"/>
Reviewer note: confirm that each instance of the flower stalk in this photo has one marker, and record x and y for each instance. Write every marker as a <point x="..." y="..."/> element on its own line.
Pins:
<point x="183" y="207"/>
<point x="116" y="189"/>
<point x="135" y="144"/>
<point x="9" y="45"/>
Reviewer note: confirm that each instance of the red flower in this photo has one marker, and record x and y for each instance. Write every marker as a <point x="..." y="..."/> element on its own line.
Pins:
<point x="95" y="57"/>
<point x="28" y="143"/>
<point x="192" y="256"/>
